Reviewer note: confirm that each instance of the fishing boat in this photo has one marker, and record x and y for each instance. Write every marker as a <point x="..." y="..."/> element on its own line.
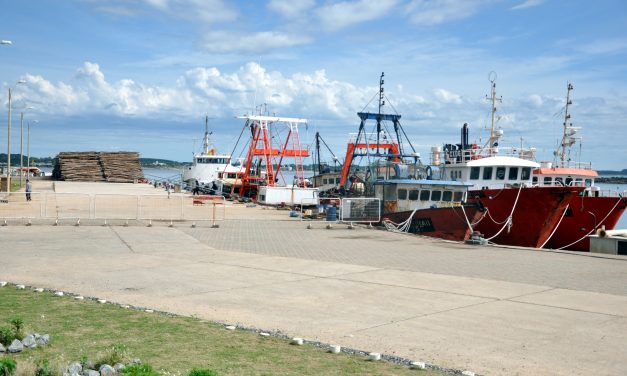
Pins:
<point x="588" y="211"/>
<point x="428" y="207"/>
<point x="211" y="169"/>
<point x="518" y="213"/>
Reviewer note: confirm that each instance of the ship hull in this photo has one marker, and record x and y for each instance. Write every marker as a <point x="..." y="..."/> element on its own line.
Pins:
<point x="536" y="212"/>
<point x="584" y="215"/>
<point x="443" y="223"/>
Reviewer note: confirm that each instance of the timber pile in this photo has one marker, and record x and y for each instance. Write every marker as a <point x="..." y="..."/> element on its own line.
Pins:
<point x="119" y="167"/>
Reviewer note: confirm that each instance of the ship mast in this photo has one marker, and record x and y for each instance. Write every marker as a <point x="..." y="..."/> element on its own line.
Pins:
<point x="205" y="142"/>
<point x="569" y="130"/>
<point x="494" y="134"/>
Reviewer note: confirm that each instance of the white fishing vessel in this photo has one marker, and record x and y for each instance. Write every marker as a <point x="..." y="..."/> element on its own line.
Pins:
<point x="208" y="167"/>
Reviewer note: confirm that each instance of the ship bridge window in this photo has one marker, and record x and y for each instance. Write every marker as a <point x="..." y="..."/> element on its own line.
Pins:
<point x="513" y="173"/>
<point x="579" y="182"/>
<point x="547" y="180"/>
<point x="424" y="195"/>
<point x="447" y="196"/>
<point x="390" y="194"/>
<point x="413" y="194"/>
<point x="588" y="182"/>
<point x="569" y="181"/>
<point x="474" y="173"/>
<point x="500" y="173"/>
<point x="534" y="180"/>
<point x="458" y="196"/>
<point x="559" y="181"/>
<point x="436" y="195"/>
<point x="402" y="194"/>
<point x="487" y="173"/>
<point x="525" y="173"/>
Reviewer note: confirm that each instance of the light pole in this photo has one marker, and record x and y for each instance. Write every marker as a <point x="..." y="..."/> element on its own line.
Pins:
<point x="22" y="144"/>
<point x="28" y="143"/>
<point x="9" y="141"/>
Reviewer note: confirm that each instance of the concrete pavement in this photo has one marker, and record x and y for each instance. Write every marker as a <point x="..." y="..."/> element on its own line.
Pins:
<point x="495" y="311"/>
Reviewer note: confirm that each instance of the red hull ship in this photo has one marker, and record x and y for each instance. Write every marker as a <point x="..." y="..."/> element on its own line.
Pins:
<point x="443" y="223"/>
<point x="586" y="212"/>
<point x="521" y="217"/>
<point x="583" y="217"/>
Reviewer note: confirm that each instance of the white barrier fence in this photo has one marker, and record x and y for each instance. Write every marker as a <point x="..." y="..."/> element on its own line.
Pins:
<point x="360" y="210"/>
<point x="110" y="207"/>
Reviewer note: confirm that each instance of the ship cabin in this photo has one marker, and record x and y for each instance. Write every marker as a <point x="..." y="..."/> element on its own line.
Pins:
<point x="211" y="159"/>
<point x="408" y="194"/>
<point x="491" y="172"/>
<point x="567" y="177"/>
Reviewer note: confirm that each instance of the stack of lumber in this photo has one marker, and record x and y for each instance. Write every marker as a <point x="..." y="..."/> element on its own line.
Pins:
<point x="119" y="167"/>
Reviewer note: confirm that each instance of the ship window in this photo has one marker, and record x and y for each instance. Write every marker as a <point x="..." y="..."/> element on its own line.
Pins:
<point x="579" y="182"/>
<point x="447" y="196"/>
<point x="559" y="181"/>
<point x="457" y="196"/>
<point x="219" y="175"/>
<point x="500" y="173"/>
<point x="487" y="173"/>
<point x="569" y="181"/>
<point x="402" y="194"/>
<point x="534" y="180"/>
<point x="526" y="173"/>
<point x="337" y="180"/>
<point x="436" y="195"/>
<point x="453" y="175"/>
<point x="588" y="182"/>
<point x="474" y="173"/>
<point x="232" y="175"/>
<point x="390" y="194"/>
<point x="424" y="195"/>
<point x="413" y="194"/>
<point x="324" y="181"/>
<point x="513" y="173"/>
<point x="547" y="180"/>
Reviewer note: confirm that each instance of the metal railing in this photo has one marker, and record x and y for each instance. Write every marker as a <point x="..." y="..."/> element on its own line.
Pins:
<point x="111" y="207"/>
<point x="360" y="210"/>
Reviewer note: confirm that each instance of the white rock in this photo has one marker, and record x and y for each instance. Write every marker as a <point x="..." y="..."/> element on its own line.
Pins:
<point x="149" y="311"/>
<point x="38" y="289"/>
<point x="374" y="356"/>
<point x="468" y="373"/>
<point x="59" y="293"/>
<point x="417" y="365"/>
<point x="20" y="287"/>
<point x="335" y="349"/>
<point x="264" y="334"/>
<point x="297" y="341"/>
<point x="3" y="283"/>
<point x="126" y="306"/>
<point x="229" y="327"/>
<point x="102" y="301"/>
<point x="79" y="297"/>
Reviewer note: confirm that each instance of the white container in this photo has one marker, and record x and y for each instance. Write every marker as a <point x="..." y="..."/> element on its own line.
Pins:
<point x="288" y="196"/>
<point x="374" y="356"/>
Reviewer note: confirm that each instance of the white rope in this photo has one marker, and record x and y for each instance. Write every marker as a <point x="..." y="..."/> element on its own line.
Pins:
<point x="556" y="227"/>
<point x="595" y="228"/>
<point x="399" y="227"/>
<point x="467" y="221"/>
<point x="508" y="221"/>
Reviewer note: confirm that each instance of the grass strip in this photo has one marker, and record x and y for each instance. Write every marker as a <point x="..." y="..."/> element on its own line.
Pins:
<point x="173" y="345"/>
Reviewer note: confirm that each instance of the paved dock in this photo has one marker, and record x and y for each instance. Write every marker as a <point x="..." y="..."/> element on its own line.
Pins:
<point x="492" y="310"/>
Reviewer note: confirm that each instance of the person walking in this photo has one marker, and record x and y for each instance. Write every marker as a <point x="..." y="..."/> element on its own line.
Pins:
<point x="29" y="189"/>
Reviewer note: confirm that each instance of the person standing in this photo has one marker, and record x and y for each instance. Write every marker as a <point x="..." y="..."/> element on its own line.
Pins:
<point x="29" y="189"/>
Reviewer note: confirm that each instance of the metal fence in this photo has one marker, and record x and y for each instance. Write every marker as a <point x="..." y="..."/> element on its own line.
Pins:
<point x="111" y="207"/>
<point x="360" y="210"/>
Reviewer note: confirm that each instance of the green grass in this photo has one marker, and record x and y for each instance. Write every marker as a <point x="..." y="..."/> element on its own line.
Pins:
<point x="173" y="345"/>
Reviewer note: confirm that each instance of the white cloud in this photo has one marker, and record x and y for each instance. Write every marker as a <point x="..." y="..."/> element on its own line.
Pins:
<point x="343" y="14"/>
<point x="204" y="10"/>
<point x="605" y="46"/>
<point x="527" y="4"/>
<point x="291" y="8"/>
<point x="263" y="41"/>
<point x="447" y="96"/>
<point x="433" y="12"/>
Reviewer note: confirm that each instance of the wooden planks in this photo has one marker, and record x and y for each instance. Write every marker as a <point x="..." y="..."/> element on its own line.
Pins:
<point x="93" y="166"/>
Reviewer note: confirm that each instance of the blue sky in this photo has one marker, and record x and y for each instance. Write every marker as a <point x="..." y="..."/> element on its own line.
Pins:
<point x="141" y="75"/>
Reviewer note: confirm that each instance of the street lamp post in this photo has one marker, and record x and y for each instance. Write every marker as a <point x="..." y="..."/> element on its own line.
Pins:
<point x="28" y="145"/>
<point x="22" y="144"/>
<point x="9" y="142"/>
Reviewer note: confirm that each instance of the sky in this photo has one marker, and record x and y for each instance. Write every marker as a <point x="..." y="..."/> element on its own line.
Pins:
<point x="141" y="75"/>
